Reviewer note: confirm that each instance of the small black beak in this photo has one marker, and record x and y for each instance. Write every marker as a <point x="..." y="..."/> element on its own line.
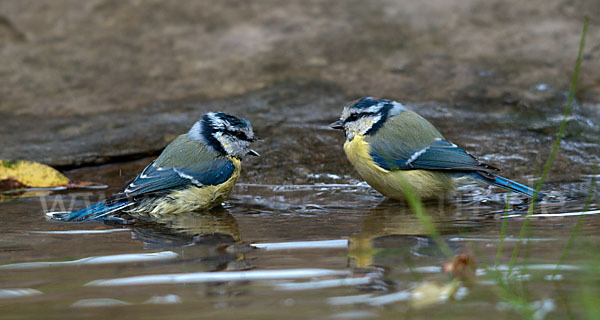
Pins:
<point x="337" y="125"/>
<point x="253" y="153"/>
<point x="255" y="138"/>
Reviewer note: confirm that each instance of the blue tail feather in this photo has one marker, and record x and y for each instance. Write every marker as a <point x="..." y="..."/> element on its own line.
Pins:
<point x="508" y="184"/>
<point x="95" y="212"/>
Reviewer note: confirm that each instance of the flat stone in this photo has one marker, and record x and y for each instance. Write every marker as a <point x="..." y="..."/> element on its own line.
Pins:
<point x="75" y="140"/>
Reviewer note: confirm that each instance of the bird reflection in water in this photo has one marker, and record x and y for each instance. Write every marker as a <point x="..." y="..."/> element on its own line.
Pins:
<point x="392" y="235"/>
<point x="215" y="233"/>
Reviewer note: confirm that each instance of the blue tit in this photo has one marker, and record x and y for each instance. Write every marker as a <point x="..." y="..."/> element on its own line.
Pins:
<point x="196" y="171"/>
<point x="390" y="145"/>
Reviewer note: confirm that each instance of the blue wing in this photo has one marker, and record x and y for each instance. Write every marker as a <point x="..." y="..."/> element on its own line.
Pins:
<point x="156" y="179"/>
<point x="445" y="156"/>
<point x="439" y="155"/>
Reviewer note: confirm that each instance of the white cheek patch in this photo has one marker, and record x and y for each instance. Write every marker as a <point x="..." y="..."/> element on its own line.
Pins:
<point x="234" y="147"/>
<point x="360" y="126"/>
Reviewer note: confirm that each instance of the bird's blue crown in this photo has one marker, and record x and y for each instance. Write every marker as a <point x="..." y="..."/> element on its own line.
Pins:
<point x="368" y="102"/>
<point x="226" y="119"/>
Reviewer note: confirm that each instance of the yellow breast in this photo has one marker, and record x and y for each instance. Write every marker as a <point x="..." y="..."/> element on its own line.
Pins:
<point x="427" y="184"/>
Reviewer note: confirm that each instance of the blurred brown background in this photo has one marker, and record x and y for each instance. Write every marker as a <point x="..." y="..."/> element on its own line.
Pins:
<point x="86" y="82"/>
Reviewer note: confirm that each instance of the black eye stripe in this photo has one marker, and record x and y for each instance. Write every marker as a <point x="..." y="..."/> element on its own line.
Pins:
<point x="352" y="117"/>
<point x="238" y="134"/>
<point x="356" y="116"/>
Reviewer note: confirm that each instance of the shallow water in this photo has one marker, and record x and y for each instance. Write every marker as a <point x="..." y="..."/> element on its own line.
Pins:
<point x="329" y="249"/>
<point x="302" y="236"/>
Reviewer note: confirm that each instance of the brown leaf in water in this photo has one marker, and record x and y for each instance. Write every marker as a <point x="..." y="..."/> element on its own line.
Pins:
<point x="462" y="267"/>
<point x="10" y="184"/>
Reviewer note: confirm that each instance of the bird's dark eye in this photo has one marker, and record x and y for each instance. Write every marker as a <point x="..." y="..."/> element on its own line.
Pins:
<point x="238" y="134"/>
<point x="356" y="116"/>
<point x="353" y="117"/>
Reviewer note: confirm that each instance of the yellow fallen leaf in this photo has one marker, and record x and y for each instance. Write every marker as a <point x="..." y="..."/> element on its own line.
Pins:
<point x="31" y="174"/>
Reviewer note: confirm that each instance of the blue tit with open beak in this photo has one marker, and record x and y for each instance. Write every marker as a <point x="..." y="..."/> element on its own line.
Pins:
<point x="196" y="171"/>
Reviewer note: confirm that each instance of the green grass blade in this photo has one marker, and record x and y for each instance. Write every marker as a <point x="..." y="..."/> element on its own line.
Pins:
<point x="416" y="205"/>
<point x="556" y="144"/>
